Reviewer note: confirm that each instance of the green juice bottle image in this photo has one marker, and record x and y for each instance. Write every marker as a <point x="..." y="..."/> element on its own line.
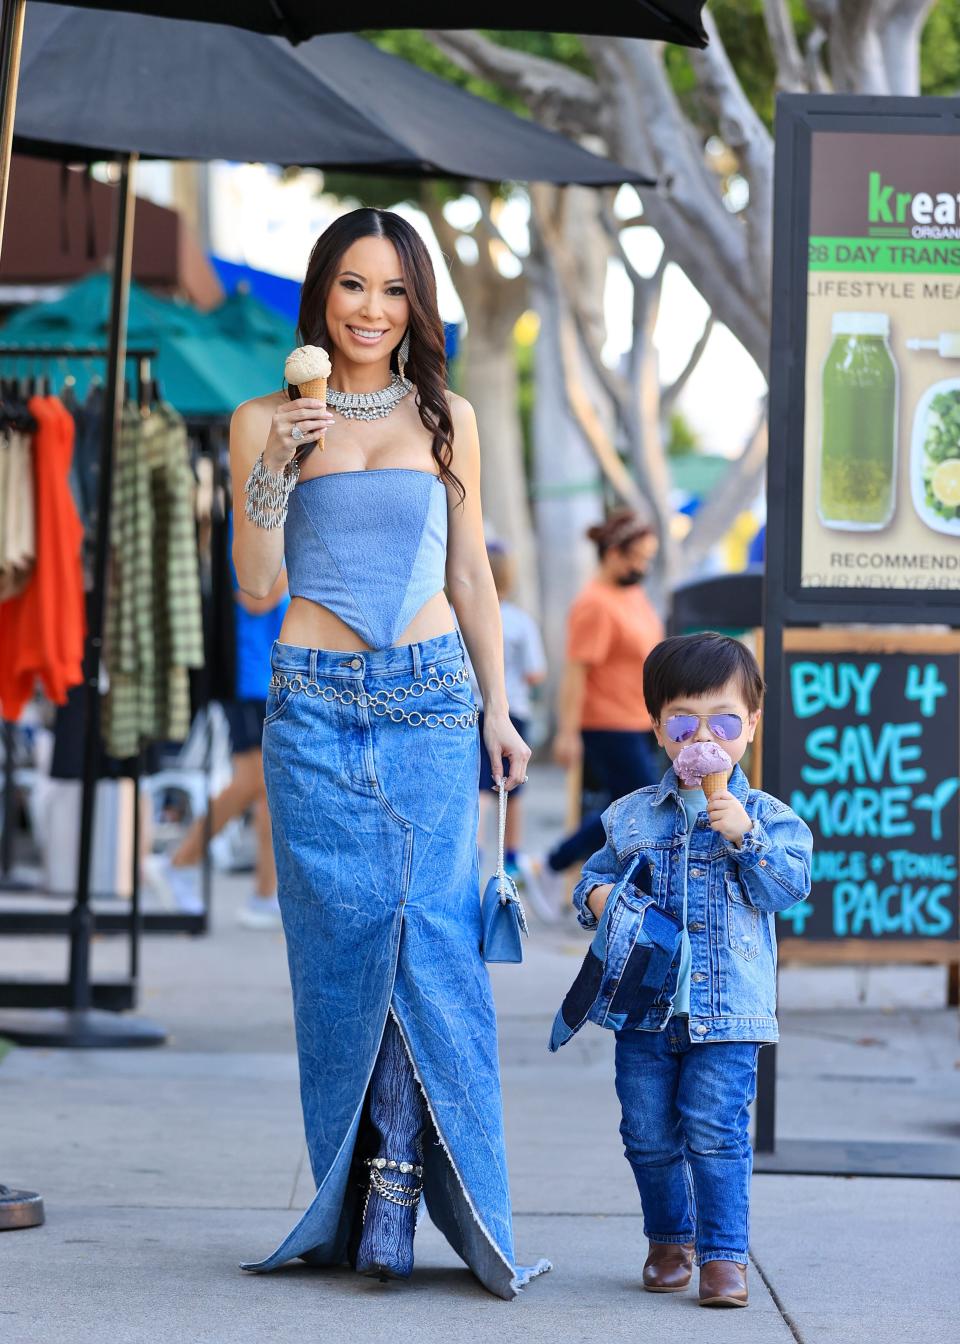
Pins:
<point x="858" y="445"/>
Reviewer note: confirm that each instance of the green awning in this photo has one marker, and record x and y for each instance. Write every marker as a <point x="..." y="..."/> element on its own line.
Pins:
<point x="207" y="363"/>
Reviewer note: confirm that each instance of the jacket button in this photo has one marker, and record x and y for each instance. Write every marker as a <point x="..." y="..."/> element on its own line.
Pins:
<point x="695" y="872"/>
<point x="355" y="662"/>
<point x="763" y="863"/>
<point x="698" y="976"/>
<point x="695" y="928"/>
<point x="700" y="1029"/>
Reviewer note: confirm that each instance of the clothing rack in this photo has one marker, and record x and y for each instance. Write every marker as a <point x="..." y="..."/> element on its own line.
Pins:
<point x="78" y="996"/>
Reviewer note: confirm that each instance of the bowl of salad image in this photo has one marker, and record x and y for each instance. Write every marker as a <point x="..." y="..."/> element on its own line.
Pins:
<point x="935" y="457"/>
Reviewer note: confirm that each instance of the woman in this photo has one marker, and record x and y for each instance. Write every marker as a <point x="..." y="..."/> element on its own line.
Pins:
<point x="371" y="762"/>
<point x="602" y="720"/>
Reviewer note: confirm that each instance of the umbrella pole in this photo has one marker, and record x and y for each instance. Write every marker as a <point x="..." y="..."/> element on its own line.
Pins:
<point x="83" y="1026"/>
<point x="94" y="1027"/>
<point x="11" y="42"/>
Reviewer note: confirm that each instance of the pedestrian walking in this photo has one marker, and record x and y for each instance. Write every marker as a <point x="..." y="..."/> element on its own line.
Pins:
<point x="524" y="666"/>
<point x="371" y="755"/>
<point x="602" y="721"/>
<point x="257" y="622"/>
<point x="683" y="896"/>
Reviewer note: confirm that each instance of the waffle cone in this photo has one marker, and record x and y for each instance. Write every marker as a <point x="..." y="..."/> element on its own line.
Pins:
<point x="712" y="784"/>
<point x="315" y="387"/>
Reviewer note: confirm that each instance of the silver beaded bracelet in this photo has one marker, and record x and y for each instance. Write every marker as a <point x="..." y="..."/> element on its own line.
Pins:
<point x="268" y="493"/>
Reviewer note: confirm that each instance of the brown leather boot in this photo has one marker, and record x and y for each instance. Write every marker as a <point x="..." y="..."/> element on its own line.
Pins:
<point x="669" y="1267"/>
<point x="723" y="1283"/>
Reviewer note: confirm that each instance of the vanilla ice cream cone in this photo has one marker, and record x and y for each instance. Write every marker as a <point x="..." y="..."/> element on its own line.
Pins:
<point x="307" y="369"/>
<point x="712" y="784"/>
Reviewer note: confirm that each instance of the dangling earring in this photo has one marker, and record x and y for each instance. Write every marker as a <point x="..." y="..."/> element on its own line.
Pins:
<point x="403" y="353"/>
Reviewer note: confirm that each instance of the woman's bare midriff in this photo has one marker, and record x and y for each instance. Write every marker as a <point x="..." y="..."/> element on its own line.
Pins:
<point x="309" y="625"/>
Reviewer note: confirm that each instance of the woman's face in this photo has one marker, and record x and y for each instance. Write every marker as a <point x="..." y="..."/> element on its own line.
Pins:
<point x="367" y="308"/>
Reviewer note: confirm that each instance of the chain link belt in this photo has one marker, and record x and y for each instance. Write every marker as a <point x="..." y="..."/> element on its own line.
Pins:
<point x="384" y="703"/>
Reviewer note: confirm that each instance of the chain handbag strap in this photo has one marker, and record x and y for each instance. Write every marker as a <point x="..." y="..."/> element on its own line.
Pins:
<point x="505" y="886"/>
<point x="501" y="833"/>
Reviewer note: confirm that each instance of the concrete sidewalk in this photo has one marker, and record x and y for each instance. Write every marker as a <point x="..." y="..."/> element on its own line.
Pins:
<point x="162" y="1169"/>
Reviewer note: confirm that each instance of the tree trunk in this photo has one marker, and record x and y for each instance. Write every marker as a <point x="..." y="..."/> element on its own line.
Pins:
<point x="568" y="484"/>
<point x="490" y="385"/>
<point x="492" y="303"/>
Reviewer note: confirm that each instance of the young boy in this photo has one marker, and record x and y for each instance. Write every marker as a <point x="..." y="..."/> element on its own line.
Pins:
<point x="687" y="1074"/>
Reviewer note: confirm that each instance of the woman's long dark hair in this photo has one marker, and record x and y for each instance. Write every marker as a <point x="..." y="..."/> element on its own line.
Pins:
<point x="426" y="366"/>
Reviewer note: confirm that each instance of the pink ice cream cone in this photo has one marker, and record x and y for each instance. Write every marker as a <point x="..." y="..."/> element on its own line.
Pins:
<point x="703" y="765"/>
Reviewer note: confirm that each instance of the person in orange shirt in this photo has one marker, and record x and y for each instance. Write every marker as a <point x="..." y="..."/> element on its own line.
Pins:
<point x="602" y="718"/>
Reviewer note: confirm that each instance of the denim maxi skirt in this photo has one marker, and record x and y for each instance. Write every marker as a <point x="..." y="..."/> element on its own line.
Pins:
<point x="375" y="831"/>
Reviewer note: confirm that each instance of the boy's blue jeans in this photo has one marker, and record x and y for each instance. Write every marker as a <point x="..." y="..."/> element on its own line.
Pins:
<point x="685" y="1131"/>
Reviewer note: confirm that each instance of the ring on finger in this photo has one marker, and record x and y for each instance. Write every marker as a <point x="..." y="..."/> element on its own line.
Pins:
<point x="297" y="433"/>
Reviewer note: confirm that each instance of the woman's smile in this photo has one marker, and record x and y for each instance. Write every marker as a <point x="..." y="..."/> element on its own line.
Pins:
<point x="366" y="335"/>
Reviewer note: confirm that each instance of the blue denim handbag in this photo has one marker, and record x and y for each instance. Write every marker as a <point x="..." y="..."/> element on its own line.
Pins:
<point x="501" y="913"/>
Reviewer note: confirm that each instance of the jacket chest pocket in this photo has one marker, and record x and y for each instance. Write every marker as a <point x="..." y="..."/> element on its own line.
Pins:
<point x="743" y="923"/>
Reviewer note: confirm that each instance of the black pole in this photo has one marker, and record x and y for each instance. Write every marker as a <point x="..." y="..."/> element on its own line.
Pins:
<point x="82" y="917"/>
<point x="6" y="842"/>
<point x="11" y="42"/>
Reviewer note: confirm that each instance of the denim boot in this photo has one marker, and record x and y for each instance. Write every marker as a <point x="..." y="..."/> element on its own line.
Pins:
<point x="399" y="1114"/>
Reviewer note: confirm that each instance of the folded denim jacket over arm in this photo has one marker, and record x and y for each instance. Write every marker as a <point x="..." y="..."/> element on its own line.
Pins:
<point x="625" y="971"/>
<point x="733" y="895"/>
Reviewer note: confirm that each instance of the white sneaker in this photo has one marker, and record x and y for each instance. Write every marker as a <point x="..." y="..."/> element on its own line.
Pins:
<point x="261" y="912"/>
<point x="546" y="889"/>
<point x="182" y="886"/>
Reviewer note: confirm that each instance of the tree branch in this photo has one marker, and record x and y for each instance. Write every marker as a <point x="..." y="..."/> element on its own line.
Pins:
<point x="558" y="96"/>
<point x="484" y="197"/>
<point x="792" y="76"/>
<point x="648" y="130"/>
<point x="670" y="394"/>
<point x="817" y="77"/>
<point x="899" y="32"/>
<point x="746" y="134"/>
<point x="571" y="290"/>
<point x="732" y="496"/>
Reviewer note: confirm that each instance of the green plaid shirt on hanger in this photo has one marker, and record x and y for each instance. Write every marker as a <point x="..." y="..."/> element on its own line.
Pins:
<point x="153" y="629"/>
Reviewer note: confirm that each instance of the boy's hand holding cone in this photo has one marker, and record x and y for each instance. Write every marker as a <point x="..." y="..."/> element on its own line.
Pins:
<point x="707" y="766"/>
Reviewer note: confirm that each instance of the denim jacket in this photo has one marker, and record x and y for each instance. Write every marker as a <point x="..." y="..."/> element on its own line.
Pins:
<point x="732" y="897"/>
<point x="628" y="964"/>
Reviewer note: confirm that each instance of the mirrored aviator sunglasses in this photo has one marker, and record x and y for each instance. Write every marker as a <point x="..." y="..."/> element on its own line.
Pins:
<point x="724" y="727"/>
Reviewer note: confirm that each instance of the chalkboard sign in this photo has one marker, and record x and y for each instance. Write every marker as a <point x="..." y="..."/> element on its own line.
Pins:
<point x="870" y="756"/>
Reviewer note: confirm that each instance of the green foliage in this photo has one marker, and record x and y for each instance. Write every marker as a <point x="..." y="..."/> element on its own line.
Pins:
<point x="380" y="191"/>
<point x="940" y="50"/>
<point x="526" y="391"/>
<point x="682" y="439"/>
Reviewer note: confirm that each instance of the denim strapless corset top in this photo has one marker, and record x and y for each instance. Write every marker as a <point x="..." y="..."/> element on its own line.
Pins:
<point x="369" y="545"/>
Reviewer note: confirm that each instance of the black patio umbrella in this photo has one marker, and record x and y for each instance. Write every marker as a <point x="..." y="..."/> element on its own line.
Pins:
<point x="297" y="20"/>
<point x="93" y="85"/>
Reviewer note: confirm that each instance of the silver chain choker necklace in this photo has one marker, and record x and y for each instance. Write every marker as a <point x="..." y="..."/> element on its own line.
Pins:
<point x="370" y="405"/>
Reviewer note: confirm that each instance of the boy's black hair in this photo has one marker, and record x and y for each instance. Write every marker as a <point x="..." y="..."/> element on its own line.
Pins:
<point x="697" y="664"/>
